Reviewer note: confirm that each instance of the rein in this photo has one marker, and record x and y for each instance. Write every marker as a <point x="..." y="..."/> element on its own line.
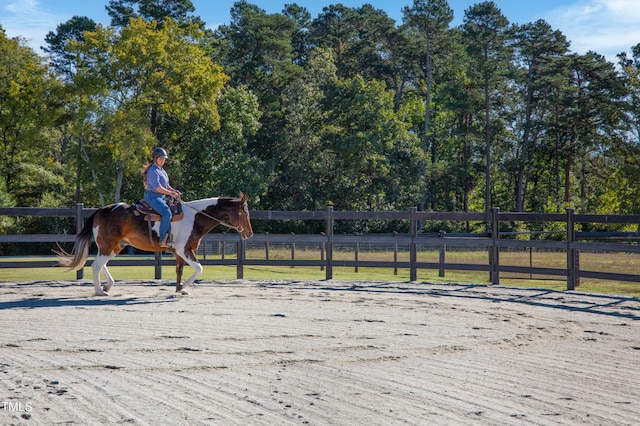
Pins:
<point x="223" y="223"/>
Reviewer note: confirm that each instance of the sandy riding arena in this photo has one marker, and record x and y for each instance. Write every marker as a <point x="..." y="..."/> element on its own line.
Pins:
<point x="318" y="353"/>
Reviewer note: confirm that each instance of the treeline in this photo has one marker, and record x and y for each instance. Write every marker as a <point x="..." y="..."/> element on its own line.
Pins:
<point x="349" y="109"/>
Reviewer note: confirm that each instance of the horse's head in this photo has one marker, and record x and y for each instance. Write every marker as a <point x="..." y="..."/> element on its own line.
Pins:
<point x="239" y="217"/>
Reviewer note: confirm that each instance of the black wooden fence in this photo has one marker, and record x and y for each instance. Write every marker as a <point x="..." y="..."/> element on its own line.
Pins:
<point x="571" y="243"/>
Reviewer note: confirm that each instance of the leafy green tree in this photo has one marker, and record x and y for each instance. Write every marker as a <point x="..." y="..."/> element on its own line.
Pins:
<point x="136" y="73"/>
<point x="300" y="36"/>
<point x="371" y="160"/>
<point x="29" y="107"/>
<point x="360" y="38"/>
<point x="431" y="19"/>
<point x="622" y="194"/>
<point x="63" y="60"/>
<point x="539" y="54"/>
<point x="594" y="120"/>
<point x="72" y="126"/>
<point x="256" y="51"/>
<point x="294" y="184"/>
<point x="485" y="32"/>
<point x="122" y="11"/>
<point x="216" y="162"/>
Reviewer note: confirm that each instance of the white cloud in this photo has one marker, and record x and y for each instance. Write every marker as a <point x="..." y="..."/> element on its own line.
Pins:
<point x="29" y="20"/>
<point x="604" y="26"/>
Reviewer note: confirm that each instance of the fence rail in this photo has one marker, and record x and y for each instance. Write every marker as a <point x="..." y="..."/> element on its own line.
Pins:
<point x="493" y="242"/>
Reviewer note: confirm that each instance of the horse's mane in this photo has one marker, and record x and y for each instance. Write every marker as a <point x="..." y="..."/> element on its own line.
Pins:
<point x="206" y="202"/>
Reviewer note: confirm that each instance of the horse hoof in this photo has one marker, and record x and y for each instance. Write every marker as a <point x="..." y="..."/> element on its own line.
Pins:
<point x="182" y="291"/>
<point x="101" y="293"/>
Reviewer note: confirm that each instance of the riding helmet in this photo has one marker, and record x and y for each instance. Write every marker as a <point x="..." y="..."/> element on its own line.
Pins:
<point x="159" y="153"/>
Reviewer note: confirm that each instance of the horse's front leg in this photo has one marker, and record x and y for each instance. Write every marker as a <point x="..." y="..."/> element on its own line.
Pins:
<point x="179" y="268"/>
<point x="191" y="259"/>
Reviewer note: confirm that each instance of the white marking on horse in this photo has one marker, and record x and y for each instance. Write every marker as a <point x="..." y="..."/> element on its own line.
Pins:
<point x="183" y="229"/>
<point x="114" y="208"/>
<point x="202" y="204"/>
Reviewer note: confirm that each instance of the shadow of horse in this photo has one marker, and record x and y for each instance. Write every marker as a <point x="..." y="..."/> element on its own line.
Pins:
<point x="61" y="302"/>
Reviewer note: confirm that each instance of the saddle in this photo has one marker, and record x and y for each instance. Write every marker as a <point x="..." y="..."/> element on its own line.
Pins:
<point x="144" y="209"/>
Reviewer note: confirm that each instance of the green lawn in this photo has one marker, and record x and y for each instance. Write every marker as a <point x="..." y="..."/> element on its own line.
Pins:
<point x="613" y="262"/>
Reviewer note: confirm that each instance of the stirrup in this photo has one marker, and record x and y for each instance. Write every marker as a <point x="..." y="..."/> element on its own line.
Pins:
<point x="165" y="243"/>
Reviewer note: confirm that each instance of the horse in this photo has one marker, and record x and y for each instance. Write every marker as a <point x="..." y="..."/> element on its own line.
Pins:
<point x="115" y="226"/>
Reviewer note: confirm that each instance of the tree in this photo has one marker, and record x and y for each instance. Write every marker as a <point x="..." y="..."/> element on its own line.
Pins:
<point x="592" y="123"/>
<point x="134" y="73"/>
<point x="371" y="161"/>
<point x="122" y="11"/>
<point x="622" y="194"/>
<point x="300" y="36"/>
<point x="360" y="38"/>
<point x="29" y="107"/>
<point x="631" y="75"/>
<point x="256" y="51"/>
<point x="295" y="181"/>
<point x="485" y="31"/>
<point x="431" y="19"/>
<point x="218" y="161"/>
<point x="539" y="53"/>
<point x="63" y="60"/>
<point x="72" y="126"/>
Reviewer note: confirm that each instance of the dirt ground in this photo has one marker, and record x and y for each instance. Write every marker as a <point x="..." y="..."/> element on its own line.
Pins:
<point x="318" y="353"/>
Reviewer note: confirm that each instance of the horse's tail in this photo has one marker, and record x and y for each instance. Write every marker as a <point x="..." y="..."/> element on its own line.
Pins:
<point x="78" y="256"/>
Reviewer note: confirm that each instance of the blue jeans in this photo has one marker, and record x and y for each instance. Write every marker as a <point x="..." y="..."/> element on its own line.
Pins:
<point x="156" y="201"/>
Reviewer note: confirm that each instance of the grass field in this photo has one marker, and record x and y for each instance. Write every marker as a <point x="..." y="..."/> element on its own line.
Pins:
<point x="605" y="262"/>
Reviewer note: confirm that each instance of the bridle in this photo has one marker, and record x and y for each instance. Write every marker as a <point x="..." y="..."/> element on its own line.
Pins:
<point x="238" y="228"/>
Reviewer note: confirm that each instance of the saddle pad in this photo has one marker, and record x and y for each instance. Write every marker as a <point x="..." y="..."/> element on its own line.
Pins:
<point x="143" y="209"/>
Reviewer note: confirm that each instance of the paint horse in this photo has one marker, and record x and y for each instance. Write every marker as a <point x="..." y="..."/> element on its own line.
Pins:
<point x="115" y="226"/>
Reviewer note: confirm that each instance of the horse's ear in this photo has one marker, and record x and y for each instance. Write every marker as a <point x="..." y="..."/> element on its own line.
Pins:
<point x="243" y="197"/>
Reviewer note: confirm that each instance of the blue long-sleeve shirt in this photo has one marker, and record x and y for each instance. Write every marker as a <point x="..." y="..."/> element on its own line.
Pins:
<point x="157" y="176"/>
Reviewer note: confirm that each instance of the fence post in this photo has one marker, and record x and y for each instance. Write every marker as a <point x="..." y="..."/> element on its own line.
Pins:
<point x="443" y="249"/>
<point x="322" y="250"/>
<point x="79" y="226"/>
<point x="494" y="250"/>
<point x="413" y="273"/>
<point x="240" y="258"/>
<point x="571" y="257"/>
<point x="293" y="249"/>
<point x="357" y="257"/>
<point x="395" y="254"/>
<point x="329" y="232"/>
<point x="158" y="265"/>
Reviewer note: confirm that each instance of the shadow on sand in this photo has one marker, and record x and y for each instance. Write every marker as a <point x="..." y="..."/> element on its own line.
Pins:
<point x="40" y="300"/>
<point x="616" y="306"/>
<point x="58" y="302"/>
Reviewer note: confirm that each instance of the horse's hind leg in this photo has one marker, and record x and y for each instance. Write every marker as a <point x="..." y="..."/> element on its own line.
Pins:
<point x="98" y="264"/>
<point x="109" y="278"/>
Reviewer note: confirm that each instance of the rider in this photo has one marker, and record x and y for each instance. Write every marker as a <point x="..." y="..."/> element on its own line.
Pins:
<point x="156" y="184"/>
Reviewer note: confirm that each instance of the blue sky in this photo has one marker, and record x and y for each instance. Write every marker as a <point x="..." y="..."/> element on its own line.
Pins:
<point x="605" y="26"/>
